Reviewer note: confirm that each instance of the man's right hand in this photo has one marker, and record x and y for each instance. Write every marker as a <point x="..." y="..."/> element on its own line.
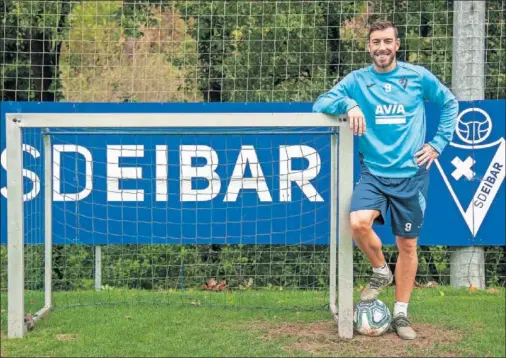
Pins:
<point x="357" y="121"/>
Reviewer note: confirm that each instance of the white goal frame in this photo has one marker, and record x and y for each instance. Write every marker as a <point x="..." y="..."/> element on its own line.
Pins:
<point x="341" y="174"/>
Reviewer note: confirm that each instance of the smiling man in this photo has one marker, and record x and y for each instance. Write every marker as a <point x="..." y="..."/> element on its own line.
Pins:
<point x="384" y="103"/>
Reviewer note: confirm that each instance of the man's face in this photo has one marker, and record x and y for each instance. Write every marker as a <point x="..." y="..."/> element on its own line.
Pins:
<point x="383" y="46"/>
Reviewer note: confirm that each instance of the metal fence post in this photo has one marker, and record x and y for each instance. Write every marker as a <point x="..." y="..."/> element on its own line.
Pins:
<point x="467" y="264"/>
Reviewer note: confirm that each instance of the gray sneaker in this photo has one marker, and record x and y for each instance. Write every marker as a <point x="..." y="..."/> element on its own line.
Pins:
<point x="402" y="326"/>
<point x="377" y="282"/>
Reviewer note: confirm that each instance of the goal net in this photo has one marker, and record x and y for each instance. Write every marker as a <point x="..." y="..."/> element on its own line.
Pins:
<point x="229" y="209"/>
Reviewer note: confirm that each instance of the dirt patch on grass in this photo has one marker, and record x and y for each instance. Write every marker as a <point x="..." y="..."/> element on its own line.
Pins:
<point x="321" y="338"/>
<point x="66" y="337"/>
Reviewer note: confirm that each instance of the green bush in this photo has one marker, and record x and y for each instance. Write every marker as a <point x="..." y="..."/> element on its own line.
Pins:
<point x="164" y="267"/>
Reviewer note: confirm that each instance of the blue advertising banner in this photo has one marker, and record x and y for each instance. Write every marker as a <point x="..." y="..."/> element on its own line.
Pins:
<point x="244" y="188"/>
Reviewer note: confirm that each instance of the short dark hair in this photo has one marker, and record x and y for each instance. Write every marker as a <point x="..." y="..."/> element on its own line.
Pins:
<point x="382" y="25"/>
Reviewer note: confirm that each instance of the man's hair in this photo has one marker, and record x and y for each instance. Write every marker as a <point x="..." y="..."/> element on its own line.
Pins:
<point x="382" y="25"/>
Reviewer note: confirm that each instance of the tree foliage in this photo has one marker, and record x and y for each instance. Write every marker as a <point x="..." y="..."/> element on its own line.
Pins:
<point x="219" y="51"/>
<point x="101" y="61"/>
<point x="261" y="51"/>
<point x="30" y="48"/>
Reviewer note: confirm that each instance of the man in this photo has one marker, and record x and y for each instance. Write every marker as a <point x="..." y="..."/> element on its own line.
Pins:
<point x="384" y="103"/>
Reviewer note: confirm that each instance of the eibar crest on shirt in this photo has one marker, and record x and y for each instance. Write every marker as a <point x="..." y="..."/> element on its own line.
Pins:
<point x="403" y="82"/>
<point x="463" y="169"/>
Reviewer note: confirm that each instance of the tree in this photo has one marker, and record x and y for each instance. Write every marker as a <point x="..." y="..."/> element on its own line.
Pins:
<point x="29" y="50"/>
<point x="104" y="61"/>
<point x="260" y="51"/>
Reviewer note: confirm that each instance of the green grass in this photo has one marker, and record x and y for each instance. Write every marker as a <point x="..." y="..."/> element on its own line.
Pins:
<point x="450" y="321"/>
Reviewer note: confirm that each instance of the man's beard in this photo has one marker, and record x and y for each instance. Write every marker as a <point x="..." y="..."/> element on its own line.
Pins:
<point x="390" y="58"/>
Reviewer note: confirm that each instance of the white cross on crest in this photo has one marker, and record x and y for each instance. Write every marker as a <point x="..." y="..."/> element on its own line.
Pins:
<point x="463" y="168"/>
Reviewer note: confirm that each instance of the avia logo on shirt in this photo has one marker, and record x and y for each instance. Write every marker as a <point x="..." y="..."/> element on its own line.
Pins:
<point x="387" y="109"/>
<point x="390" y="114"/>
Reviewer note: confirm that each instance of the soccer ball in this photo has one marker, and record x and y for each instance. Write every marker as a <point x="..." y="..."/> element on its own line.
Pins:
<point x="371" y="318"/>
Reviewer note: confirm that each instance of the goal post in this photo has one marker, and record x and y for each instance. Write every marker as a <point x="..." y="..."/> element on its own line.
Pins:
<point x="120" y="125"/>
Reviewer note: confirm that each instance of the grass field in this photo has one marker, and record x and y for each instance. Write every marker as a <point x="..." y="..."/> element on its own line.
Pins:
<point x="450" y="322"/>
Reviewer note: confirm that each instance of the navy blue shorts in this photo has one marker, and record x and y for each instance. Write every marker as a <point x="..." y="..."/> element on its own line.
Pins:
<point x="404" y="197"/>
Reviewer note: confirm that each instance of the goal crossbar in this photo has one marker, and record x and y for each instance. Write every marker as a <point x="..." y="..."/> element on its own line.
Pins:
<point x="174" y="120"/>
<point x="341" y="187"/>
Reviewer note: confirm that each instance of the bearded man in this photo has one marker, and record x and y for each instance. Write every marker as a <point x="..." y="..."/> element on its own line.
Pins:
<point x="384" y="103"/>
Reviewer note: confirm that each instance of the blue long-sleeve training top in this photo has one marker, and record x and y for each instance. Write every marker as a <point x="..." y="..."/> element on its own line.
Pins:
<point x="394" y="111"/>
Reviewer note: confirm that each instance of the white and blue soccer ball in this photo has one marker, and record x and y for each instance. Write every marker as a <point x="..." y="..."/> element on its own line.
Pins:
<point x="372" y="318"/>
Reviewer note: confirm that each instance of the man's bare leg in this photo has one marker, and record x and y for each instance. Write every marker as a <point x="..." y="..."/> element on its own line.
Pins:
<point x="405" y="274"/>
<point x="365" y="237"/>
<point x="370" y="244"/>
<point x="405" y="269"/>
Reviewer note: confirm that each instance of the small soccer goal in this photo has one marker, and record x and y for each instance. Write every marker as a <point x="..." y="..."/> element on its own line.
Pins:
<point x="191" y="204"/>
